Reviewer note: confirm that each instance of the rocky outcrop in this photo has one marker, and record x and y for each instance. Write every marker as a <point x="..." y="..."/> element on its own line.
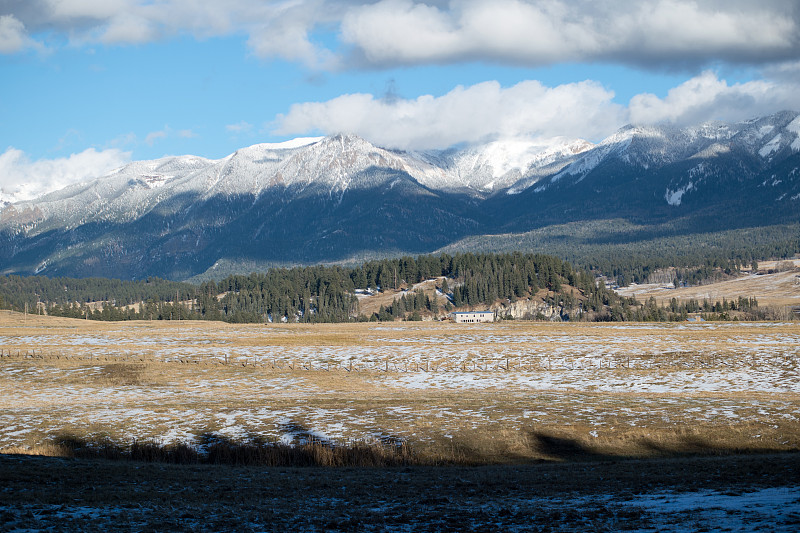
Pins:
<point x="529" y="310"/>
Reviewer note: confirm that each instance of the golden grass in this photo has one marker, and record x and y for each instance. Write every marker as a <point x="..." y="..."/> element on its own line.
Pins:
<point x="777" y="289"/>
<point x="372" y="304"/>
<point x="479" y="398"/>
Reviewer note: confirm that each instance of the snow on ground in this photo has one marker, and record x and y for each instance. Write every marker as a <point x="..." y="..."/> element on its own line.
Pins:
<point x="760" y="510"/>
<point x="774" y="509"/>
<point x="505" y="374"/>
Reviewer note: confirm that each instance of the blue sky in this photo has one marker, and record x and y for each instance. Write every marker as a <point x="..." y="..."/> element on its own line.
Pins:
<point x="88" y="85"/>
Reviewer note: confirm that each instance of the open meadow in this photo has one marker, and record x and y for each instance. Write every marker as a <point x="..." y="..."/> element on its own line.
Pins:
<point x="495" y="392"/>
<point x="618" y="416"/>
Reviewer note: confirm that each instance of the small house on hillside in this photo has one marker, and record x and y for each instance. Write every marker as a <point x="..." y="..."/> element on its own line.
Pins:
<point x="473" y="316"/>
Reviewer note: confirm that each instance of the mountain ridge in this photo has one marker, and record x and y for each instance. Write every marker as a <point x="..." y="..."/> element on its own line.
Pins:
<point x="322" y="199"/>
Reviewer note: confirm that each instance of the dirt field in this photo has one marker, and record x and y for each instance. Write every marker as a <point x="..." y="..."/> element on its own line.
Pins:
<point x="739" y="493"/>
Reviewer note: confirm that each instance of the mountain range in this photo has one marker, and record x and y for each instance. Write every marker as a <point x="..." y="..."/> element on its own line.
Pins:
<point x="341" y="198"/>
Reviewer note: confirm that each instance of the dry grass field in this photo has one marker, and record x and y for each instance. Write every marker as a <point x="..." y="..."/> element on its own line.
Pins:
<point x="487" y="393"/>
<point x="577" y="426"/>
<point x="777" y="289"/>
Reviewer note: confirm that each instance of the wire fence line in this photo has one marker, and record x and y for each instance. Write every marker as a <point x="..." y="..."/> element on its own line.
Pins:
<point x="678" y="361"/>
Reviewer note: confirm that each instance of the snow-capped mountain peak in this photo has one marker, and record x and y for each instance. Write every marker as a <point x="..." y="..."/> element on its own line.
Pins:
<point x="316" y="199"/>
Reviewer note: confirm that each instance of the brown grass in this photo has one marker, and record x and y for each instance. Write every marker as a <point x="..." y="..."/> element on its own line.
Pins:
<point x="372" y="304"/>
<point x="778" y="289"/>
<point x="145" y="381"/>
<point x="529" y="445"/>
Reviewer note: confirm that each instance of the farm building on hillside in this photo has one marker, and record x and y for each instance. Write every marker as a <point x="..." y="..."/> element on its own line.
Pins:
<point x="473" y="316"/>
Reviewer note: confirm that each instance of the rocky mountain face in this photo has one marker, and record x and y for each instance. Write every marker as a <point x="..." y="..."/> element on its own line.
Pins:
<point x="340" y="197"/>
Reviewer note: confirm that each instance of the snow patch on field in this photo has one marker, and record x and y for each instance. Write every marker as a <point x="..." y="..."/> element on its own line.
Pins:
<point x="760" y="510"/>
<point x="287" y="390"/>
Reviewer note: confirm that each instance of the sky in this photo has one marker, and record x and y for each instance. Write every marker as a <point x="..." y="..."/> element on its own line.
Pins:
<point x="87" y="86"/>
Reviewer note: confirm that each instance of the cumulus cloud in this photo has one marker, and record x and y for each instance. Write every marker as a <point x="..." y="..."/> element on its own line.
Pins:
<point x="650" y="32"/>
<point x="275" y="28"/>
<point x="23" y="179"/>
<point x="129" y="28"/>
<point x="384" y="33"/>
<point x="465" y="114"/>
<point x="12" y="34"/>
<point x="286" y="32"/>
<point x="706" y="97"/>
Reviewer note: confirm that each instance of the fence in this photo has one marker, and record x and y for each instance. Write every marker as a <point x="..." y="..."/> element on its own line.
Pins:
<point x="670" y="361"/>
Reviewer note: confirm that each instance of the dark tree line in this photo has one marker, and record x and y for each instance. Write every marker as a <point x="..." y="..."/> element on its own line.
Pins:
<point x="16" y="291"/>
<point x="328" y="293"/>
<point x="629" y="310"/>
<point x="697" y="258"/>
<point x="310" y="294"/>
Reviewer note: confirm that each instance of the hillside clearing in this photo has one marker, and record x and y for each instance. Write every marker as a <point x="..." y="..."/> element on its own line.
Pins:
<point x="777" y="289"/>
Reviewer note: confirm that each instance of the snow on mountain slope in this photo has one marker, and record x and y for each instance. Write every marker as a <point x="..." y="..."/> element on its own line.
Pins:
<point x="121" y="196"/>
<point x="342" y="161"/>
<point x="653" y="147"/>
<point x="794" y="127"/>
<point x="330" y="166"/>
<point x="511" y="162"/>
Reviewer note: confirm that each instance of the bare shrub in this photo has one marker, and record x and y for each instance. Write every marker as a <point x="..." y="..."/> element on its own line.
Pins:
<point x="785" y="266"/>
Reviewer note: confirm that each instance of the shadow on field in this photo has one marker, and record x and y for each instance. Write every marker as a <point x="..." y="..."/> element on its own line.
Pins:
<point x="301" y="446"/>
<point x="562" y="448"/>
<point x="305" y="449"/>
<point x="693" y="445"/>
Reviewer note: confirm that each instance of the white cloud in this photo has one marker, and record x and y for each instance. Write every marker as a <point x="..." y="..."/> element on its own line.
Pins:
<point x="706" y="97"/>
<point x="286" y="30"/>
<point x="23" y="179"/>
<point x="12" y="35"/>
<point x="275" y="28"/>
<point x="86" y="9"/>
<point x="187" y="134"/>
<point x="652" y="33"/>
<point x="488" y="111"/>
<point x="153" y="136"/>
<point x="465" y="114"/>
<point x="240" y="127"/>
<point x="129" y="28"/>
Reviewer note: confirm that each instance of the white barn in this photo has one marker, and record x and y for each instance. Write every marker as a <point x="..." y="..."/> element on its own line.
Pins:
<point x="473" y="316"/>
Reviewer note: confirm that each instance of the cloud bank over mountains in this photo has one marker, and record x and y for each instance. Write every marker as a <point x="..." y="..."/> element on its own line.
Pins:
<point x="23" y="179"/>
<point x="648" y="33"/>
<point x="488" y="111"/>
<point x="464" y="115"/>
